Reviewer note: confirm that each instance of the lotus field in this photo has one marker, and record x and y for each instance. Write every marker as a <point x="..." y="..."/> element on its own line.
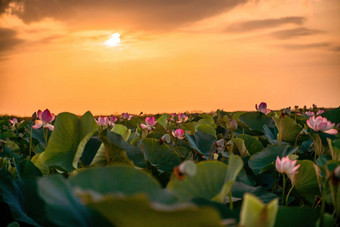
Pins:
<point x="259" y="168"/>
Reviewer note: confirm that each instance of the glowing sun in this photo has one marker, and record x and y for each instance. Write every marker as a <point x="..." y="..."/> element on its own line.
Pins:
<point x="113" y="41"/>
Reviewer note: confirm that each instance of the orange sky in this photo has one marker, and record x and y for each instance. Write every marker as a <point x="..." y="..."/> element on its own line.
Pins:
<point x="174" y="55"/>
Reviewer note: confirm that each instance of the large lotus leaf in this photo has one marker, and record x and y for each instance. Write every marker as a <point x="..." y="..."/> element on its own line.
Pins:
<point x="253" y="145"/>
<point x="160" y="155"/>
<point x="189" y="127"/>
<point x="207" y="183"/>
<point x="116" y="142"/>
<point x="334" y="147"/>
<point x="121" y="130"/>
<point x="238" y="146"/>
<point x="68" y="131"/>
<point x="306" y="182"/>
<point x="332" y="115"/>
<point x="239" y="189"/>
<point x="137" y="211"/>
<point x="38" y="161"/>
<point x="335" y="189"/>
<point x="25" y="168"/>
<point x="37" y="134"/>
<point x="10" y="194"/>
<point x="206" y="128"/>
<point x="202" y="142"/>
<point x="115" y="179"/>
<point x="288" y="129"/>
<point x="90" y="150"/>
<point x="259" y="161"/>
<point x="63" y="208"/>
<point x="162" y="120"/>
<point x="254" y="213"/>
<point x="225" y="211"/>
<point x="235" y="165"/>
<point x="206" y="119"/>
<point x="296" y="217"/>
<point x="100" y="157"/>
<point x="81" y="149"/>
<point x="256" y="120"/>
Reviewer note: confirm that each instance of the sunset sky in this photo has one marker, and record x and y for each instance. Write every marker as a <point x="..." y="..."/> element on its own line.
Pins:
<point x="173" y="55"/>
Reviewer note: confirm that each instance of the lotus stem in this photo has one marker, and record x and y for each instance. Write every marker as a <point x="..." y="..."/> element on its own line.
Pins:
<point x="287" y="197"/>
<point x="211" y="148"/>
<point x="45" y="135"/>
<point x="30" y="150"/>
<point x="230" y="201"/>
<point x="283" y="189"/>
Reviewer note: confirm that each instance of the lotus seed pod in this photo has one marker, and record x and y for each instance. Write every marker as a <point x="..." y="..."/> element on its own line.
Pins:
<point x="166" y="138"/>
<point x="219" y="144"/>
<point x="233" y="125"/>
<point x="188" y="167"/>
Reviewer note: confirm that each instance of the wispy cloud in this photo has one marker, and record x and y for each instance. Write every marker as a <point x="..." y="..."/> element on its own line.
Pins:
<point x="8" y="39"/>
<point x="146" y="14"/>
<point x="252" y="25"/>
<point x="295" y="32"/>
<point x="323" y="45"/>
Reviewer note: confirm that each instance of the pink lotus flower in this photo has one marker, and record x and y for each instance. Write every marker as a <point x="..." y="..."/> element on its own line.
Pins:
<point x="285" y="165"/>
<point x="310" y="113"/>
<point x="103" y="121"/>
<point x="150" y="122"/>
<point x="178" y="133"/>
<point x="173" y="116"/>
<point x="45" y="118"/>
<point x="15" y="121"/>
<point x="262" y="108"/>
<point x="126" y="116"/>
<point x="320" y="112"/>
<point x="321" y="124"/>
<point x="112" y="120"/>
<point x="181" y="118"/>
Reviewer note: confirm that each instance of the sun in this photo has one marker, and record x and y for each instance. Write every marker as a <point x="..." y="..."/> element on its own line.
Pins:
<point x="113" y="41"/>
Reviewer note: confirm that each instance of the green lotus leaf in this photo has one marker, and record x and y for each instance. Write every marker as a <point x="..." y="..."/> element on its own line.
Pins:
<point x="259" y="161"/>
<point x="160" y="155"/>
<point x="68" y="132"/>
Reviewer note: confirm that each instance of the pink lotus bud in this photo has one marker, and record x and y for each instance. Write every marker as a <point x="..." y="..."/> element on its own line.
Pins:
<point x="182" y="118"/>
<point x="112" y="120"/>
<point x="178" y="133"/>
<point x="262" y="108"/>
<point x="285" y="165"/>
<point x="233" y="125"/>
<point x="321" y="124"/>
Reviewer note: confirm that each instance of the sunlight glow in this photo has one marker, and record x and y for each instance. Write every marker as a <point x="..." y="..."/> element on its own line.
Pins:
<point x="113" y="41"/>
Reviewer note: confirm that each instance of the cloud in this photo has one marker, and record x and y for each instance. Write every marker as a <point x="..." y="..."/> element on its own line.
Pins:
<point x="253" y="25"/>
<point x="8" y="39"/>
<point x="142" y="14"/>
<point x="307" y="46"/>
<point x="336" y="48"/>
<point x="296" y="32"/>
